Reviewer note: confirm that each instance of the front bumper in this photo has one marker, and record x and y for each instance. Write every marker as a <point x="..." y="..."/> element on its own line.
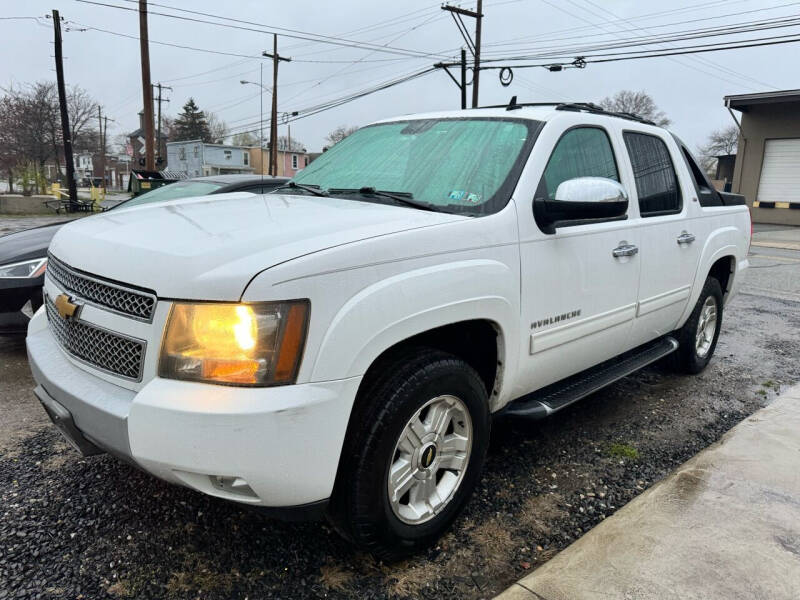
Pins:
<point x="271" y="447"/>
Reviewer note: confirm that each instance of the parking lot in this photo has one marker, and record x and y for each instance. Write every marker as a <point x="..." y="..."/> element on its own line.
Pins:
<point x="97" y="528"/>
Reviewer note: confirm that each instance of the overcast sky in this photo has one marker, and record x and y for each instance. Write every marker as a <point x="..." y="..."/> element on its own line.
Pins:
<point x="688" y="89"/>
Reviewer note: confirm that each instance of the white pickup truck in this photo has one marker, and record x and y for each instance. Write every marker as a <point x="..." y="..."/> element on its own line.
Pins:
<point x="341" y="345"/>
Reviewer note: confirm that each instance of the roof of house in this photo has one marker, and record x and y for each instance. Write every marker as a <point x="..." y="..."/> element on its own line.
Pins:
<point x="742" y="101"/>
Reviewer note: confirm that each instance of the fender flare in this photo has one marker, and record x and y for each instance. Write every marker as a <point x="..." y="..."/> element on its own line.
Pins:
<point x="719" y="244"/>
<point x="397" y="308"/>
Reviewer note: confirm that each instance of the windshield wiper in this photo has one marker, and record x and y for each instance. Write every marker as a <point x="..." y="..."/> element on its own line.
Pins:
<point x="405" y="198"/>
<point x="311" y="189"/>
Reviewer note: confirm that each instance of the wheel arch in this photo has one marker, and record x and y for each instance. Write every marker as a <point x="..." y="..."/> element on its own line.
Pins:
<point x="718" y="259"/>
<point x="431" y="307"/>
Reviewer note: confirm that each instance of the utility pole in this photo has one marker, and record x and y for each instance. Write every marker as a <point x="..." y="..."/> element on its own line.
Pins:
<point x="147" y="90"/>
<point x="273" y="128"/>
<point x="463" y="79"/>
<point x="62" y="103"/>
<point x="105" y="132"/>
<point x="158" y="128"/>
<point x="474" y="46"/>
<point x="462" y="84"/>
<point x="289" y="142"/>
<point x="102" y="147"/>
<point x="476" y="76"/>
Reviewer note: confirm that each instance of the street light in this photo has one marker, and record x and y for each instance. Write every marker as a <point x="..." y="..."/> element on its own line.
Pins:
<point x="261" y="117"/>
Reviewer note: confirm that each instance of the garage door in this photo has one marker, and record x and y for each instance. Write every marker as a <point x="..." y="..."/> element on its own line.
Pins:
<point x="780" y="173"/>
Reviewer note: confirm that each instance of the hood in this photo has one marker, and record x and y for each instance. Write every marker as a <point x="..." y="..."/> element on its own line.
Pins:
<point x="27" y="244"/>
<point x="209" y="248"/>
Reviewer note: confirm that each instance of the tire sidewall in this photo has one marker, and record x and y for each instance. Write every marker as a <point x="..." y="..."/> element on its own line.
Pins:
<point x="694" y="362"/>
<point x="371" y="480"/>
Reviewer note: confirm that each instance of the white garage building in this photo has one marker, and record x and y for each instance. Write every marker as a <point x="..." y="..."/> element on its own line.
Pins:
<point x="767" y="167"/>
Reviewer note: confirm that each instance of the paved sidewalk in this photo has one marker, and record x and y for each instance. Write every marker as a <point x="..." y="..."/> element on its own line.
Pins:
<point x="725" y="525"/>
<point x="785" y="238"/>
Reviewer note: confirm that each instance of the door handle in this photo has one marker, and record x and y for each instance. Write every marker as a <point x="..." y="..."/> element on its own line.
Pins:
<point x="685" y="237"/>
<point x="625" y="250"/>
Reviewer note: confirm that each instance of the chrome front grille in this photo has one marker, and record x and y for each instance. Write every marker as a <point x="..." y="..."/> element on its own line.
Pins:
<point x="97" y="347"/>
<point x="137" y="304"/>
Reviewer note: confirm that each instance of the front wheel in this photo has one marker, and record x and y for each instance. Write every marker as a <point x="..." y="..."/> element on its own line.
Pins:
<point x="698" y="337"/>
<point x="413" y="455"/>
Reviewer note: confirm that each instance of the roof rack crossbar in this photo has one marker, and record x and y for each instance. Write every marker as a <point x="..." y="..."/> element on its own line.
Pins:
<point x="599" y="110"/>
<point x="588" y="107"/>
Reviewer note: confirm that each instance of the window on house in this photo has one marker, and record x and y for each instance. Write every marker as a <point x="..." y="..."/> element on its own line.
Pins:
<point x="246" y="158"/>
<point x="581" y="152"/>
<point x="182" y="153"/>
<point x="294" y="161"/>
<point x="305" y="161"/>
<point x="196" y="151"/>
<point x="228" y="154"/>
<point x="656" y="182"/>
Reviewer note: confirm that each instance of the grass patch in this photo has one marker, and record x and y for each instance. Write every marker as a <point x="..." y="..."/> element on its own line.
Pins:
<point x="761" y="392"/>
<point x="538" y="513"/>
<point x="769" y="384"/>
<point x="334" y="577"/>
<point x="620" y="450"/>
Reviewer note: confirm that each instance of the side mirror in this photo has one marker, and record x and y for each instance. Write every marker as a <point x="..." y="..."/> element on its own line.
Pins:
<point x="581" y="200"/>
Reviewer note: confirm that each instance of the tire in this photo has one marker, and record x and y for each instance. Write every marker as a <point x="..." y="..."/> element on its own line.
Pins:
<point x="694" y="354"/>
<point x="415" y="389"/>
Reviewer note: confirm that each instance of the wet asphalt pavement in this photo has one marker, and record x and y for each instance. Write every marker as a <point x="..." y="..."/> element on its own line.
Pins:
<point x="73" y="527"/>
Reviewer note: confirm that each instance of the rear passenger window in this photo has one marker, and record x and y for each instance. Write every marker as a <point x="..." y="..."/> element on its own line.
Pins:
<point x="656" y="182"/>
<point x="581" y="152"/>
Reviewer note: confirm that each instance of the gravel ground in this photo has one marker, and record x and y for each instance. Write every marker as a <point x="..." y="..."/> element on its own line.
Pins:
<point x="96" y="528"/>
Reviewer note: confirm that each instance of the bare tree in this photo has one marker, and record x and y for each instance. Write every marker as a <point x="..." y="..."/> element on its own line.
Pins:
<point x="639" y="103"/>
<point x="82" y="119"/>
<point x="296" y="145"/>
<point x="216" y="127"/>
<point x="720" y="142"/>
<point x="30" y="127"/>
<point x="341" y="132"/>
<point x="245" y="139"/>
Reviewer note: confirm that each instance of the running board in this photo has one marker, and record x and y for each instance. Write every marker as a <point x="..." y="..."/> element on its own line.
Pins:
<point x="561" y="394"/>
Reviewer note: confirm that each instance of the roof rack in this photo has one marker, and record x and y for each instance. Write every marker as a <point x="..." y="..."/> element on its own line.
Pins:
<point x="587" y="107"/>
<point x="599" y="110"/>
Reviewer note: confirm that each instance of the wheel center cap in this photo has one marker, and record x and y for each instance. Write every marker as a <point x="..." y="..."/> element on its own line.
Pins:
<point x="427" y="456"/>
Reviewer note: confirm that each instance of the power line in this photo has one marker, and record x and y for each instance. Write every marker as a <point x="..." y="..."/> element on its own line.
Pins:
<point x="207" y="50"/>
<point x="360" y="60"/>
<point x="262" y="28"/>
<point x="223" y="67"/>
<point x="313" y="110"/>
<point x="699" y="59"/>
<point x="656" y="53"/>
<point x="591" y="26"/>
<point x="632" y="43"/>
<point x="666" y="38"/>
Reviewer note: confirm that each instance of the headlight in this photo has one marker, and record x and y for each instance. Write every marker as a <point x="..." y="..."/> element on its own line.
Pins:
<point x="23" y="270"/>
<point x="236" y="344"/>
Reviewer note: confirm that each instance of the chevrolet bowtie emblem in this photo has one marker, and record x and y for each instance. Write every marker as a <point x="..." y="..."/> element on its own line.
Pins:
<point x="66" y="307"/>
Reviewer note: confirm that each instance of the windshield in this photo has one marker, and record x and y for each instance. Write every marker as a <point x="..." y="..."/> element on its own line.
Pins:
<point x="468" y="165"/>
<point x="173" y="191"/>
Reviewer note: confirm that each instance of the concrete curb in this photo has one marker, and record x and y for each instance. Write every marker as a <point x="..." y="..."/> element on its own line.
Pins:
<point x="725" y="524"/>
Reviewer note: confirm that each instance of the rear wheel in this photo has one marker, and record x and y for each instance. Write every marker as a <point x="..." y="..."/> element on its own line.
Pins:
<point x="698" y="337"/>
<point x="413" y="456"/>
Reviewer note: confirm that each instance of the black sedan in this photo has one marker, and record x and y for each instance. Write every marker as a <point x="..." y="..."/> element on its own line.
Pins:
<point x="23" y="255"/>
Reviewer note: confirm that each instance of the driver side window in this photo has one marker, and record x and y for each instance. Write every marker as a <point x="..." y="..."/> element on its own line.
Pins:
<point x="581" y="152"/>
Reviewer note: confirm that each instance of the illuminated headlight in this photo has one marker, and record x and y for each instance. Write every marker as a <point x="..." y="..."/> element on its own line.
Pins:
<point x="235" y="344"/>
<point x="27" y="269"/>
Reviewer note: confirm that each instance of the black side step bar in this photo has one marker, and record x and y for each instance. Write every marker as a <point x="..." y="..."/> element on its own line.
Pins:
<point x="556" y="396"/>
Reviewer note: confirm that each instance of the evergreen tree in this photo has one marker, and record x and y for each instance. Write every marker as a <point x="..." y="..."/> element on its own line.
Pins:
<point x="191" y="124"/>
